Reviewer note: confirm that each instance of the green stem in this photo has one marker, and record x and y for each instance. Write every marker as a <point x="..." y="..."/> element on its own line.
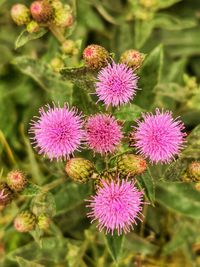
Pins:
<point x="54" y="184"/>
<point x="57" y="33"/>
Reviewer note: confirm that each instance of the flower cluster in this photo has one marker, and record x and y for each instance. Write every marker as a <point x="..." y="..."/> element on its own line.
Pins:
<point x="60" y="132"/>
<point x="42" y="13"/>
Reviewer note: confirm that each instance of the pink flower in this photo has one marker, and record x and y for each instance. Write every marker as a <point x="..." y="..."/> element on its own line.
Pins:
<point x="159" y="137"/>
<point x="57" y="131"/>
<point x="116" y="84"/>
<point x="103" y="133"/>
<point x="116" y="206"/>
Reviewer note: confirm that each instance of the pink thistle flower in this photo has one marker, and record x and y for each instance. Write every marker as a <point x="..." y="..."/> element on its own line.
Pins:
<point x="159" y="137"/>
<point x="57" y="132"/>
<point x="103" y="133"/>
<point x="116" y="206"/>
<point x="116" y="84"/>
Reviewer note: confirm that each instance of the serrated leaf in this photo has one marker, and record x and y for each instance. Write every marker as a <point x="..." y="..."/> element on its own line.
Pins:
<point x="115" y="245"/>
<point x="191" y="153"/>
<point x="82" y="77"/>
<point x="149" y="77"/>
<point x="25" y="37"/>
<point x="181" y="198"/>
<point x="44" y="204"/>
<point x="146" y="182"/>
<point x="26" y="263"/>
<point x="31" y="190"/>
<point x="52" y="82"/>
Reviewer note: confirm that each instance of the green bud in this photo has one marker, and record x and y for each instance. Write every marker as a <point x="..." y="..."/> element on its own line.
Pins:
<point x="43" y="222"/>
<point x="68" y="47"/>
<point x="6" y="194"/>
<point x="80" y="170"/>
<point x="32" y="26"/>
<point x="20" y="14"/>
<point x="106" y="175"/>
<point x="148" y="4"/>
<point x="95" y="56"/>
<point x="16" y="180"/>
<point x="57" y="64"/>
<point x="25" y="221"/>
<point x="194" y="171"/>
<point x="131" y="164"/>
<point x="132" y="58"/>
<point x="63" y="17"/>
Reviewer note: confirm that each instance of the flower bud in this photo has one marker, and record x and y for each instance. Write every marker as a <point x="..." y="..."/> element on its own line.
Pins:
<point x="95" y="56"/>
<point x="132" y="58"/>
<point x="80" y="170"/>
<point x="63" y="16"/>
<point x="42" y="11"/>
<point x="43" y="222"/>
<point x="194" y="171"/>
<point x="57" y="64"/>
<point x="6" y="194"/>
<point x="131" y="164"/>
<point x="148" y="4"/>
<point x="68" y="47"/>
<point x="25" y="221"/>
<point x="32" y="26"/>
<point x="16" y="180"/>
<point x="20" y="14"/>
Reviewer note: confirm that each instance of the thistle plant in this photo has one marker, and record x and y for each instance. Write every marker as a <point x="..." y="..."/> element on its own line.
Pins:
<point x="100" y="161"/>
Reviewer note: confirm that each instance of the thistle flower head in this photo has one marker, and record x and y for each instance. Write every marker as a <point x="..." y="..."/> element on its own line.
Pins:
<point x="42" y="11"/>
<point x="57" y="131"/>
<point x="103" y="133"/>
<point x="116" y="84"/>
<point x="6" y="194"/>
<point x="116" y="206"/>
<point x="25" y="221"/>
<point x="132" y="58"/>
<point x="159" y="137"/>
<point x="16" y="180"/>
<point x="95" y="56"/>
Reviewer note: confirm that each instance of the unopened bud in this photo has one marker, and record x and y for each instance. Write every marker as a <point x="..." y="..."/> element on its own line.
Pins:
<point x="25" y="221"/>
<point x="131" y="164"/>
<point x="57" y="64"/>
<point x="106" y="175"/>
<point x="68" y="47"/>
<point x="42" y="11"/>
<point x="80" y="170"/>
<point x="43" y="222"/>
<point x="95" y="56"/>
<point x="194" y="171"/>
<point x="32" y="27"/>
<point x="63" y="17"/>
<point x="16" y="180"/>
<point x="132" y="58"/>
<point x="148" y="4"/>
<point x="6" y="194"/>
<point x="20" y="14"/>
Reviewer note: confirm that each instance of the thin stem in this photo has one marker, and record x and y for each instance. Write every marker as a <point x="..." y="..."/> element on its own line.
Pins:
<point x="54" y="184"/>
<point x="57" y="33"/>
<point x="7" y="148"/>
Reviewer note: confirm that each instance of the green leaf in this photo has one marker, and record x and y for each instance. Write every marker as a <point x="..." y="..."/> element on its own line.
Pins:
<point x="44" y="204"/>
<point x="143" y="30"/>
<point x="26" y="263"/>
<point x="25" y="37"/>
<point x="181" y="198"/>
<point x="70" y="196"/>
<point x="166" y="3"/>
<point x="82" y="77"/>
<point x="169" y="22"/>
<point x="115" y="245"/>
<point x="149" y="78"/>
<point x="146" y="181"/>
<point x="31" y="190"/>
<point x="176" y="170"/>
<point x="52" y="82"/>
